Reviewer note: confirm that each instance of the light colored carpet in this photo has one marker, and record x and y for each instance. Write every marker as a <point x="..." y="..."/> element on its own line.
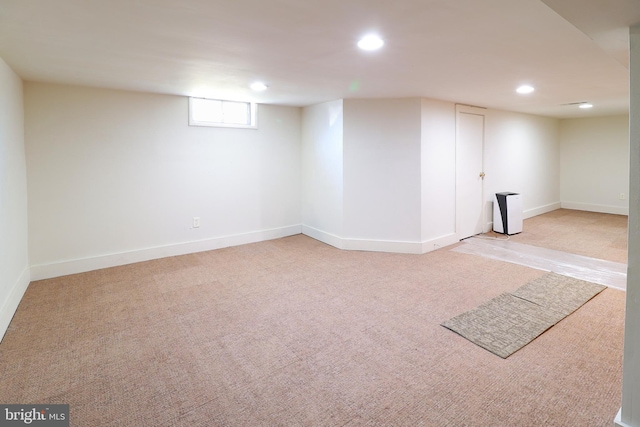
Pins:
<point x="510" y="321"/>
<point x="292" y="332"/>
<point x="592" y="234"/>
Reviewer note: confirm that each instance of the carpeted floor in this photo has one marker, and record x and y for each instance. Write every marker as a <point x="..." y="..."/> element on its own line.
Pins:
<point x="293" y="332"/>
<point x="596" y="235"/>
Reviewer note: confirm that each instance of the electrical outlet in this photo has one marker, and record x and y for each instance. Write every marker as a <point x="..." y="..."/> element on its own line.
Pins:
<point x="196" y="222"/>
<point x="622" y="196"/>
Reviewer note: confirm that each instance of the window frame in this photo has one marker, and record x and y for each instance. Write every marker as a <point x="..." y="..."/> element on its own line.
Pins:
<point x="253" y="115"/>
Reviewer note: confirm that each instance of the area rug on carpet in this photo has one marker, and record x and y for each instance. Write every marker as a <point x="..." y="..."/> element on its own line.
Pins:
<point x="510" y="321"/>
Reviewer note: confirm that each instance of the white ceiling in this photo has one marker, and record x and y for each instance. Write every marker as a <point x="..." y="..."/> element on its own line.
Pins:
<point x="606" y="22"/>
<point x="468" y="51"/>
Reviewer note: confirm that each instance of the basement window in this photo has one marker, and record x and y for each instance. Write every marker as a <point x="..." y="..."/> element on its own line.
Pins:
<point x="222" y="113"/>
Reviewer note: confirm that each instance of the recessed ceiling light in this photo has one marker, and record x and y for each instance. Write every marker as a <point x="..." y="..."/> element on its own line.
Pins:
<point x="525" y="89"/>
<point x="259" y="86"/>
<point x="370" y="42"/>
<point x="585" y="105"/>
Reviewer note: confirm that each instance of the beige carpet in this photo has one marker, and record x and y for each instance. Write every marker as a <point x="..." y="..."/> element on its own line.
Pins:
<point x="591" y="234"/>
<point x="510" y="321"/>
<point x="293" y="332"/>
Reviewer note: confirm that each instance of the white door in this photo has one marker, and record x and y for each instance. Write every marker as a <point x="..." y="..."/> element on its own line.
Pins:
<point x="469" y="173"/>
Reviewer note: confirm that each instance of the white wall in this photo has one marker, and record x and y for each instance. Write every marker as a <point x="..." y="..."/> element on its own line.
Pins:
<point x="438" y="157"/>
<point x="594" y="156"/>
<point x="116" y="177"/>
<point x="397" y="170"/>
<point x="382" y="177"/>
<point x="322" y="171"/>
<point x="521" y="155"/>
<point x="14" y="260"/>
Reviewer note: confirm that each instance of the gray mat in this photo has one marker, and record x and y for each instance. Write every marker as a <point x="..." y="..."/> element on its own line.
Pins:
<point x="508" y="322"/>
<point x="559" y="293"/>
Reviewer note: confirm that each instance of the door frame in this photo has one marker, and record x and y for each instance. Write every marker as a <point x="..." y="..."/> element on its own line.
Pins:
<point x="479" y="111"/>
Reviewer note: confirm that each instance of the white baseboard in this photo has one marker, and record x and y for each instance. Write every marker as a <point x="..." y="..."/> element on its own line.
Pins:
<point x="541" y="210"/>
<point x="617" y="210"/>
<point x="379" y="245"/>
<point x="617" y="422"/>
<point x="439" y="242"/>
<point x="323" y="236"/>
<point x="47" y="271"/>
<point x="398" y="247"/>
<point x="362" y="244"/>
<point x="530" y="213"/>
<point x="10" y="305"/>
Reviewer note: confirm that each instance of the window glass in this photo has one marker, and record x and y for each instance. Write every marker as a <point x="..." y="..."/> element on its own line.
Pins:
<point x="218" y="112"/>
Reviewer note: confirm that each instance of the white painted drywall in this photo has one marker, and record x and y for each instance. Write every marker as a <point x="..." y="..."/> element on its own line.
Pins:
<point x="116" y="177"/>
<point x="14" y="259"/>
<point x="322" y="170"/>
<point x="594" y="164"/>
<point x="522" y="155"/>
<point x="399" y="171"/>
<point x="438" y="157"/>
<point x="382" y="178"/>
